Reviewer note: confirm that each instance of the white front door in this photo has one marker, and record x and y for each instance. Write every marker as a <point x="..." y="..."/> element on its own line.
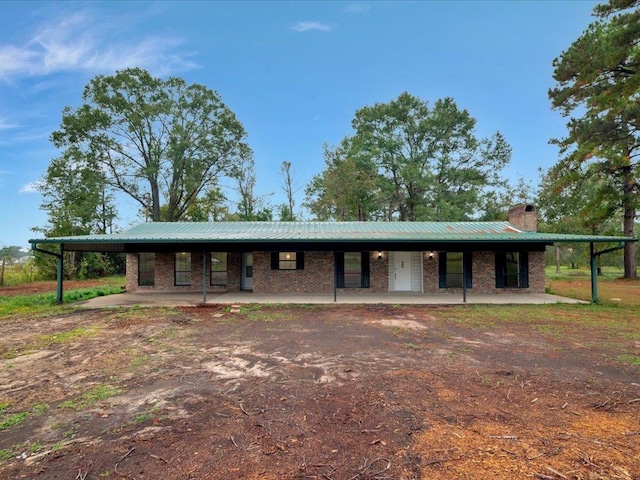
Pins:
<point x="401" y="271"/>
<point x="247" y="271"/>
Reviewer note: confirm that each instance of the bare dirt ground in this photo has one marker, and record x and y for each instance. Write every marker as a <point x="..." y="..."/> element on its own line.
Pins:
<point x="316" y="392"/>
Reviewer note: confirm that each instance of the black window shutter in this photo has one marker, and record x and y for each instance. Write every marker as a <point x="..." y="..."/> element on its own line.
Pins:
<point x="366" y="271"/>
<point x="524" y="269"/>
<point x="339" y="259"/>
<point x="442" y="269"/>
<point x="501" y="260"/>
<point x="299" y="260"/>
<point x="467" y="258"/>
<point x="275" y="261"/>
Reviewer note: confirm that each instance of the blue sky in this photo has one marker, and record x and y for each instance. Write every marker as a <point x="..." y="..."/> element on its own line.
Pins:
<point x="294" y="73"/>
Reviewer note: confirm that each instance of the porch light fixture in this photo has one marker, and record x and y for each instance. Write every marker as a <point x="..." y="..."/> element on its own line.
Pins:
<point x="379" y="255"/>
<point x="430" y="255"/>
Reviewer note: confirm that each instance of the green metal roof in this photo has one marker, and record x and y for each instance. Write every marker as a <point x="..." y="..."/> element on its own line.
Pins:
<point x="320" y="232"/>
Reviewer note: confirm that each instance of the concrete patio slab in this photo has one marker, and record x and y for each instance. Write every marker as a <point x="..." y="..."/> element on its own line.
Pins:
<point x="196" y="298"/>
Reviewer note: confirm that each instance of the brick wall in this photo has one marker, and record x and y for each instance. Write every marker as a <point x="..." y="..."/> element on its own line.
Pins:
<point x="165" y="278"/>
<point x="317" y="275"/>
<point x="484" y="275"/>
<point x="430" y="277"/>
<point x="524" y="217"/>
<point x="379" y="274"/>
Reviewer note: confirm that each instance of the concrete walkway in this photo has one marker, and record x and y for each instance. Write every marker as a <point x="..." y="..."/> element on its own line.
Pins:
<point x="196" y="298"/>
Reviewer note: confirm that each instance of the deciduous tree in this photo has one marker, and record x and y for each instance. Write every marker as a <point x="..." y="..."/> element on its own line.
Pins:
<point x="426" y="163"/>
<point x="349" y="187"/>
<point x="161" y="142"/>
<point x="78" y="201"/>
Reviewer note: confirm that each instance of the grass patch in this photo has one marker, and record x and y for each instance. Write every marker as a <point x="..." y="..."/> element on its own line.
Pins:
<point x="269" y="316"/>
<point x="615" y="326"/>
<point x="631" y="359"/>
<point x="14" y="419"/>
<point x="138" y="361"/>
<point x="35" y="447"/>
<point x="612" y="291"/>
<point x="43" y="341"/>
<point x="67" y="336"/>
<point x="40" y="408"/>
<point x="144" y="417"/>
<point x="44" y="304"/>
<point x="90" y="397"/>
<point x="271" y="312"/>
<point x="6" y="454"/>
<point x="99" y="393"/>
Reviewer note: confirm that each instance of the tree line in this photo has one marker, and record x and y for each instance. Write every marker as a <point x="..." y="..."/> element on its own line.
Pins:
<point x="178" y="153"/>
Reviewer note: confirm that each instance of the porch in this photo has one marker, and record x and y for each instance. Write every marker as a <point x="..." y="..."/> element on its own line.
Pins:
<point x="172" y="298"/>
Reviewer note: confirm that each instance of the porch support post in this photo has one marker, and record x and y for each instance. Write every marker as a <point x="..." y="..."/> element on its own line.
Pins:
<point x="464" y="278"/>
<point x="204" y="277"/>
<point x="60" y="275"/>
<point x="335" y="277"/>
<point x="59" y="268"/>
<point x="594" y="274"/>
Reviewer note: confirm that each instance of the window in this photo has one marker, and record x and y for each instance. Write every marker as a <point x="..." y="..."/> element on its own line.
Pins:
<point x="183" y="269"/>
<point x="219" y="269"/>
<point x="353" y="269"/>
<point x="287" y="260"/>
<point x="146" y="269"/>
<point x="512" y="269"/>
<point x="452" y="267"/>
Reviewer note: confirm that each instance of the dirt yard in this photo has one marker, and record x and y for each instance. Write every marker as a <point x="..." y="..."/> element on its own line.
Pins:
<point x="317" y="392"/>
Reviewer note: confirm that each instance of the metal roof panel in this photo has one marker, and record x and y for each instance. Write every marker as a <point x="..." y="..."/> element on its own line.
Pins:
<point x="270" y="232"/>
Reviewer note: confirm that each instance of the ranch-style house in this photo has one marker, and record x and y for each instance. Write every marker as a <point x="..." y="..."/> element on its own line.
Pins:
<point x="323" y="257"/>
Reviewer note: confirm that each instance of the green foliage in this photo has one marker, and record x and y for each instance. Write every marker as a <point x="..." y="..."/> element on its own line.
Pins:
<point x="598" y="80"/>
<point x="410" y="161"/>
<point x="77" y="197"/>
<point x="163" y="143"/>
<point x="349" y="188"/>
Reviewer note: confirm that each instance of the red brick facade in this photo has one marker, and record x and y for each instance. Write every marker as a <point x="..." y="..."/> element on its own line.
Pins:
<point x="318" y="274"/>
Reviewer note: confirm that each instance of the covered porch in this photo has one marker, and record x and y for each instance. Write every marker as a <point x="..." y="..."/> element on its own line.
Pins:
<point x="172" y="298"/>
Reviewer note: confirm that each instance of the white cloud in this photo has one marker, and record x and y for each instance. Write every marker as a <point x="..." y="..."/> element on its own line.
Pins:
<point x="306" y="26"/>
<point x="31" y="187"/>
<point x="83" y="43"/>
<point x="5" y="125"/>
<point x="357" y="8"/>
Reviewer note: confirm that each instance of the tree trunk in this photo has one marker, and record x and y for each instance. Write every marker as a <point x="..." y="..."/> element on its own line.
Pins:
<point x="557" y="258"/>
<point x="155" y="201"/>
<point x="630" y="267"/>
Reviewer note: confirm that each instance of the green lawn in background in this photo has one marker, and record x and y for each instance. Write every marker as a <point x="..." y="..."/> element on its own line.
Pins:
<point x="44" y="303"/>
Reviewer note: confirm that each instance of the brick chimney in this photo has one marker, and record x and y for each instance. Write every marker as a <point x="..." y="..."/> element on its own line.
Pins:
<point x="524" y="217"/>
